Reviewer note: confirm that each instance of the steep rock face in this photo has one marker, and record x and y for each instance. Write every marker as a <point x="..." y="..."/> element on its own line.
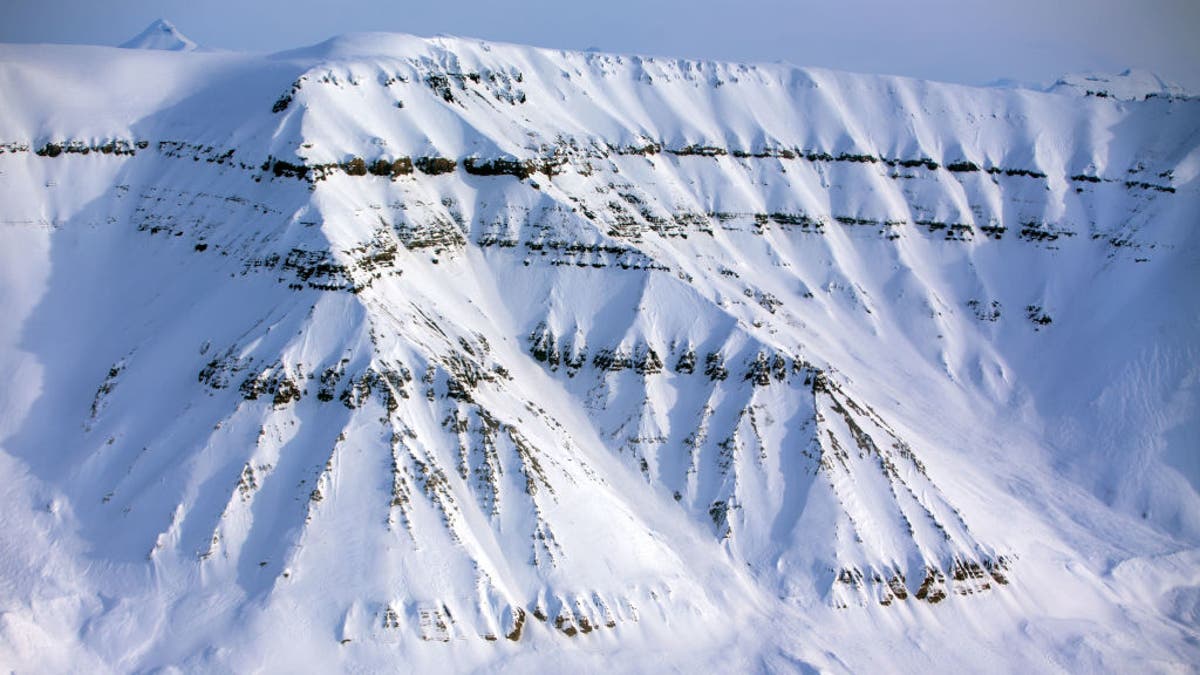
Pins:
<point x="408" y="341"/>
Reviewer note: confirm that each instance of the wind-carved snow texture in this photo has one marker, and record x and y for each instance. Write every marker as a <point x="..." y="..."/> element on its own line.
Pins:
<point x="401" y="344"/>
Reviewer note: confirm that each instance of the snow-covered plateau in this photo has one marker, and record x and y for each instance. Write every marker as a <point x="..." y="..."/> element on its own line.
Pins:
<point x="397" y="354"/>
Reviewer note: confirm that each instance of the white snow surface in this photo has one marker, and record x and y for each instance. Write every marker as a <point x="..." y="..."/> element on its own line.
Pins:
<point x="735" y="368"/>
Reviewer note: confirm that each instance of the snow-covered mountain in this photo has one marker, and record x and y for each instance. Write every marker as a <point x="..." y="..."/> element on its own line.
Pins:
<point x="1129" y="85"/>
<point x="397" y="352"/>
<point x="162" y="35"/>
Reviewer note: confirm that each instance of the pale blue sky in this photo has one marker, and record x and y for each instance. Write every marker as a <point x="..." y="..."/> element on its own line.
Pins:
<point x="956" y="40"/>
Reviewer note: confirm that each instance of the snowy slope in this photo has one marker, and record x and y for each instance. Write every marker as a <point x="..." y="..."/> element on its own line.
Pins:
<point x="399" y="352"/>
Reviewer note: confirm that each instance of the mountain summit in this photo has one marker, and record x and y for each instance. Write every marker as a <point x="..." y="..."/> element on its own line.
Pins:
<point x="162" y="35"/>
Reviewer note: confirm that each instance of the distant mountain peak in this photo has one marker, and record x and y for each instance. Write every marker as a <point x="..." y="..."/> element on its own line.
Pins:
<point x="1130" y="84"/>
<point x="161" y="34"/>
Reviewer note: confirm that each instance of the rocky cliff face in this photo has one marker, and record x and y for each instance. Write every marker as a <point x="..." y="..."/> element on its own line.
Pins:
<point x="396" y="341"/>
